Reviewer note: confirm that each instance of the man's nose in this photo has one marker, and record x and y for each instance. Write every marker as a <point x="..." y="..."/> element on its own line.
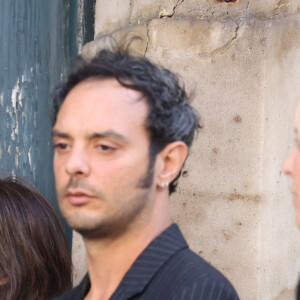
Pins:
<point x="288" y="164"/>
<point x="77" y="164"/>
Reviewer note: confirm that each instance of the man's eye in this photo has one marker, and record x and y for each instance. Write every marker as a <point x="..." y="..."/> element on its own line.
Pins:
<point x="61" y="146"/>
<point x="106" y="148"/>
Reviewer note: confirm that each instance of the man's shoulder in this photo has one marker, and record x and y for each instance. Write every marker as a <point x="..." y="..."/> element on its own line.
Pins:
<point x="190" y="276"/>
<point x="68" y="295"/>
<point x="187" y="260"/>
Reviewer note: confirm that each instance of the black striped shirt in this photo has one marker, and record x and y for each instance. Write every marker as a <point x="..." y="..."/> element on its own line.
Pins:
<point x="166" y="270"/>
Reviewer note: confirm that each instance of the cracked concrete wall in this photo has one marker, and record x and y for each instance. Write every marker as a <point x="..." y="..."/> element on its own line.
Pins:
<point x="242" y="59"/>
<point x="119" y="13"/>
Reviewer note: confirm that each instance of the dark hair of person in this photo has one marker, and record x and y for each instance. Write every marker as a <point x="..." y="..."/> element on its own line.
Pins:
<point x="171" y="118"/>
<point x="35" y="262"/>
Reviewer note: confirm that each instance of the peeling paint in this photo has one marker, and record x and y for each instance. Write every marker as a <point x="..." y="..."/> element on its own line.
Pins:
<point x="33" y="57"/>
<point x="17" y="155"/>
<point x="14" y="95"/>
<point x="80" y="34"/>
<point x="29" y="157"/>
<point x="35" y="120"/>
<point x="16" y="99"/>
<point x="1" y="100"/>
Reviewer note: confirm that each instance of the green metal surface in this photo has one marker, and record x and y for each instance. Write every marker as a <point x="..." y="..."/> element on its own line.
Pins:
<point x="81" y="24"/>
<point x="33" y="55"/>
<point x="37" y="39"/>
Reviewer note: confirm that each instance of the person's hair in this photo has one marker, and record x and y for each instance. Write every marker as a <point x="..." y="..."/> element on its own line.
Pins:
<point x="34" y="256"/>
<point x="170" y="119"/>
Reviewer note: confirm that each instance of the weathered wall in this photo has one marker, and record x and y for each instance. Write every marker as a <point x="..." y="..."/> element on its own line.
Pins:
<point x="242" y="59"/>
<point x="118" y="13"/>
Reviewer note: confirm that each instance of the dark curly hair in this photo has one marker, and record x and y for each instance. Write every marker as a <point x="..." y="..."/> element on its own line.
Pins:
<point x="35" y="263"/>
<point x="171" y="118"/>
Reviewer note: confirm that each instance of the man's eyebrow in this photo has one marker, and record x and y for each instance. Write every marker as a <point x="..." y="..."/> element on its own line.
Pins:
<point x="109" y="134"/>
<point x="96" y="135"/>
<point x="56" y="133"/>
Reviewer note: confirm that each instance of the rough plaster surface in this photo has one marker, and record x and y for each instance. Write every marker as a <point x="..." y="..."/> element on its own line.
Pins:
<point x="114" y="14"/>
<point x="233" y="204"/>
<point x="78" y="261"/>
<point x="222" y="176"/>
<point x="286" y="295"/>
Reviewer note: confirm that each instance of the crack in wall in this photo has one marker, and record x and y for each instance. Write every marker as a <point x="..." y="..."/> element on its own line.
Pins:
<point x="165" y="14"/>
<point x="148" y="38"/>
<point x="130" y="12"/>
<point x="179" y="2"/>
<point x="227" y="45"/>
<point x="280" y="4"/>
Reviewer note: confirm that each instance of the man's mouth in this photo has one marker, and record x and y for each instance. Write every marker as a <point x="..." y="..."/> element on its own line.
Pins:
<point x="78" y="197"/>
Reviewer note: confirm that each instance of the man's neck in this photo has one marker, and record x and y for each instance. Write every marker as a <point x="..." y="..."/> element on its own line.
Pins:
<point x="109" y="259"/>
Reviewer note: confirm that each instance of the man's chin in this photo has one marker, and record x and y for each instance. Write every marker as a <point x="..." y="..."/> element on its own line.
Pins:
<point x="88" y="231"/>
<point x="90" y="228"/>
<point x="81" y="223"/>
<point x="99" y="232"/>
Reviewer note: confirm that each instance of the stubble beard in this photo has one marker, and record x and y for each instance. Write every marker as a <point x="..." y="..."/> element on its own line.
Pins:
<point x="127" y="213"/>
<point x="115" y="225"/>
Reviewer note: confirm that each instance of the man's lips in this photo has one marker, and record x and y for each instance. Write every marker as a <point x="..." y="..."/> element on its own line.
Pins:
<point x="78" y="197"/>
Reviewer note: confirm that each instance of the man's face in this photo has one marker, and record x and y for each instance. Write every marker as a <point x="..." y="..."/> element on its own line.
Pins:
<point x="101" y="159"/>
<point x="291" y="167"/>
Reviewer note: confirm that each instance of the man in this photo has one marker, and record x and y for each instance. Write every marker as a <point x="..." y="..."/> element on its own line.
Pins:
<point x="122" y="133"/>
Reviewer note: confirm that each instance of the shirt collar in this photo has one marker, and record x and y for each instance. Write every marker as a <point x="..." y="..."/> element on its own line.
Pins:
<point x="150" y="261"/>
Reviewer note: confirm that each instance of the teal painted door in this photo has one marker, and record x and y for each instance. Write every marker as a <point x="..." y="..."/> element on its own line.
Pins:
<point x="37" y="39"/>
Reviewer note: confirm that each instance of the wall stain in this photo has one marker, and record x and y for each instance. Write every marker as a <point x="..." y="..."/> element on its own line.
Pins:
<point x="234" y="196"/>
<point x="287" y="42"/>
<point x="216" y="150"/>
<point x="237" y="119"/>
<point x="228" y="234"/>
<point x="185" y="173"/>
<point x="237" y="196"/>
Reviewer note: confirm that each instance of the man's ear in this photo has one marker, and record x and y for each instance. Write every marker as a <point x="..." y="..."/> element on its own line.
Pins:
<point x="170" y="162"/>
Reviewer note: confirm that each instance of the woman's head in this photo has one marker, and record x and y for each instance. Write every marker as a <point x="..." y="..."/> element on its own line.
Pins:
<point x="34" y="258"/>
